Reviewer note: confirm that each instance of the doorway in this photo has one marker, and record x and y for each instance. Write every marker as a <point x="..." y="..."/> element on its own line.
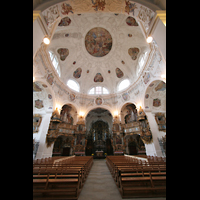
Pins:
<point x="132" y="148"/>
<point x="66" y="151"/>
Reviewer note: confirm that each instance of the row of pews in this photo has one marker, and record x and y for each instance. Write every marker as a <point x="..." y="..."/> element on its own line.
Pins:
<point x="60" y="178"/>
<point x="138" y="177"/>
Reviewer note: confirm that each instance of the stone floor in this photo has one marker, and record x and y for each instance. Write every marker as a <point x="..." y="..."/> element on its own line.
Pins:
<point x="100" y="184"/>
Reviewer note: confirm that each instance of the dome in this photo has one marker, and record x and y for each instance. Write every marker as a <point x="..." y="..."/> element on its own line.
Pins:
<point x="98" y="50"/>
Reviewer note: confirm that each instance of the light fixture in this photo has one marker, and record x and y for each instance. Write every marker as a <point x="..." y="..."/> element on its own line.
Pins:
<point x="46" y="40"/>
<point x="149" y="39"/>
<point x="139" y="106"/>
<point x="81" y="114"/>
<point x="116" y="113"/>
<point x="33" y="78"/>
<point x="58" y="106"/>
<point x="163" y="76"/>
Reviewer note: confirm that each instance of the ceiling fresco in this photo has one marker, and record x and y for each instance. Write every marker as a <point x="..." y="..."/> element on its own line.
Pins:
<point x="98" y="42"/>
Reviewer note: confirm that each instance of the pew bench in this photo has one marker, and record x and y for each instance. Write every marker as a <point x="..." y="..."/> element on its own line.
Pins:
<point x="55" y="187"/>
<point x="151" y="185"/>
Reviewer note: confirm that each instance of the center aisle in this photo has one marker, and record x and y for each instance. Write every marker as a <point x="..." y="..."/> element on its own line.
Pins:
<point x="100" y="184"/>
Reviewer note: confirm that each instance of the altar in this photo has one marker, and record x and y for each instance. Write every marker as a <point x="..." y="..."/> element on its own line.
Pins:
<point x="99" y="153"/>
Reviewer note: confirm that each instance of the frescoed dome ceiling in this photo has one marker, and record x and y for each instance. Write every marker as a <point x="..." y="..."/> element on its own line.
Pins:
<point x="98" y="44"/>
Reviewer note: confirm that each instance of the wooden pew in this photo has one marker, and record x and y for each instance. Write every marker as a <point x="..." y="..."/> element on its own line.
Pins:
<point x="136" y="178"/>
<point x="146" y="184"/>
<point x="61" y="180"/>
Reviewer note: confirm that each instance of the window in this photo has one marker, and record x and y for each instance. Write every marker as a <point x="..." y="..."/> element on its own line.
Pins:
<point x="141" y="61"/>
<point x="55" y="62"/>
<point x="73" y="85"/>
<point x="98" y="90"/>
<point x="124" y="84"/>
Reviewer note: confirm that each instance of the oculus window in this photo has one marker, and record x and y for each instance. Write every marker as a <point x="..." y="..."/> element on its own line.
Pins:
<point x="73" y="85"/>
<point x="123" y="84"/>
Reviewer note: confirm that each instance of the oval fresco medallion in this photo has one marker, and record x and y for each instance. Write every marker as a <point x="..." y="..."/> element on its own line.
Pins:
<point x="131" y="21"/>
<point x="63" y="52"/>
<point x="133" y="52"/>
<point x="125" y="96"/>
<point x="98" y="42"/>
<point x="98" y="101"/>
<point x="77" y="73"/>
<point x="65" y="21"/>
<point x="119" y="73"/>
<point x="98" y="78"/>
<point x="72" y="97"/>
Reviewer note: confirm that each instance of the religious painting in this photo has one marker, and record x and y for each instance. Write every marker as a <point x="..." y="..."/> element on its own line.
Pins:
<point x="36" y="122"/>
<point x="130" y="35"/>
<point x="98" y="4"/>
<point x="63" y="52"/>
<point x="131" y="21"/>
<point x="98" y="101"/>
<point x="65" y="21"/>
<point x="118" y="139"/>
<point x="98" y="42"/>
<point x="156" y="102"/>
<point x="125" y="96"/>
<point x="131" y="113"/>
<point x="66" y="8"/>
<point x="119" y="73"/>
<point x="50" y="78"/>
<point x="161" y="121"/>
<point x="98" y="78"/>
<point x="77" y="73"/>
<point x="65" y="114"/>
<point x="161" y="86"/>
<point x="146" y="96"/>
<point x="133" y="52"/>
<point x="36" y="88"/>
<point x="72" y="97"/>
<point x="130" y="7"/>
<point x="49" y="96"/>
<point x="39" y="104"/>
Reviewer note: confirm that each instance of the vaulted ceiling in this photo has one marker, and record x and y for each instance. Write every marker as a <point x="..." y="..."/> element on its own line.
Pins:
<point x="84" y="53"/>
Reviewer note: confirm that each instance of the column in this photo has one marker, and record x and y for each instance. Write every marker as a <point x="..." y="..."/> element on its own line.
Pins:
<point x="39" y="30"/>
<point x="43" y="151"/>
<point x="153" y="149"/>
<point x="157" y="30"/>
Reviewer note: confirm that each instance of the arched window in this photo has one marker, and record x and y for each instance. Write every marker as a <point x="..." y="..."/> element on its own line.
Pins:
<point x="55" y="62"/>
<point x="98" y="90"/>
<point x="73" y="85"/>
<point x="141" y="61"/>
<point x="124" y="84"/>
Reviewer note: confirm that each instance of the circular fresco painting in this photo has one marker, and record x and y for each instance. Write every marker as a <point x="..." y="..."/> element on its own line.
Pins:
<point x="98" y="42"/>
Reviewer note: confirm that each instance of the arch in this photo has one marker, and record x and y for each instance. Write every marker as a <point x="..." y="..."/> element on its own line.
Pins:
<point x="147" y="86"/>
<point x="94" y="107"/>
<point x="49" y="91"/>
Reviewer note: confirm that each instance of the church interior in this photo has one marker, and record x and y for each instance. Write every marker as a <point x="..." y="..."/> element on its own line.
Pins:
<point x="99" y="84"/>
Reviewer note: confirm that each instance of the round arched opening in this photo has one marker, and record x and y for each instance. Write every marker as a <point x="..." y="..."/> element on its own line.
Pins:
<point x="99" y="132"/>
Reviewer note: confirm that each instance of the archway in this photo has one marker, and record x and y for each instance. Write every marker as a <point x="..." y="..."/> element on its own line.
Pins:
<point x="99" y="126"/>
<point x="136" y="145"/>
<point x="62" y="146"/>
